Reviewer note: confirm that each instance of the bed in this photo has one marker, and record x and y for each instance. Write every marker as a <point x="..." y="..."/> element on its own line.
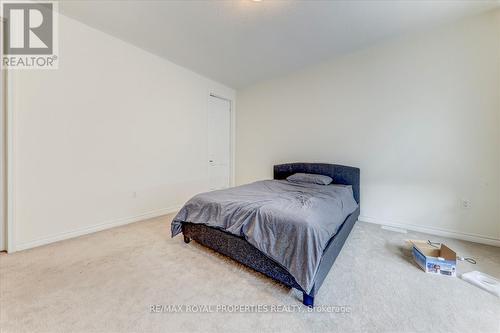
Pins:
<point x="297" y="254"/>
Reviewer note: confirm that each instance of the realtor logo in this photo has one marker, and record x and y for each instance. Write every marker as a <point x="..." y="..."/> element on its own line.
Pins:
<point x="29" y="35"/>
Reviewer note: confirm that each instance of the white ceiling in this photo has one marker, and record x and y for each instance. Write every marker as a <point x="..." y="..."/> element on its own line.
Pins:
<point x="240" y="42"/>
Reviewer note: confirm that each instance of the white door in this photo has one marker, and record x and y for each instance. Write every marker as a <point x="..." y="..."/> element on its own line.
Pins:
<point x="219" y="143"/>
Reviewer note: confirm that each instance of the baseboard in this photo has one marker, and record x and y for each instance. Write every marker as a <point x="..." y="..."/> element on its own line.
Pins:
<point x="435" y="231"/>
<point x="94" y="228"/>
<point x="159" y="212"/>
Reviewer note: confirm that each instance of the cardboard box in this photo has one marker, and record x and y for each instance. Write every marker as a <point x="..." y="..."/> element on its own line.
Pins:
<point x="435" y="258"/>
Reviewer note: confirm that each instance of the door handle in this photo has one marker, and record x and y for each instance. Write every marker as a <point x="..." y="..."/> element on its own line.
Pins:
<point x="210" y="161"/>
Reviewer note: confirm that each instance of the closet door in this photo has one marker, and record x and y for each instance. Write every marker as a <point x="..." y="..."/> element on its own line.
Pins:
<point x="219" y="142"/>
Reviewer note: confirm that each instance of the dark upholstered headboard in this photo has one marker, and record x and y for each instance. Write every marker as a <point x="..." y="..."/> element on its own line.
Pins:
<point x="341" y="174"/>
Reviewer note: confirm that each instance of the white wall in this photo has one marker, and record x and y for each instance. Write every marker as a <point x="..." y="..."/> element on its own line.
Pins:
<point x="420" y="116"/>
<point x="3" y="154"/>
<point x="111" y="121"/>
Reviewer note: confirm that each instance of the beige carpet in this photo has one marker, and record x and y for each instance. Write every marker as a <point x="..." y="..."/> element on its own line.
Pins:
<point x="107" y="281"/>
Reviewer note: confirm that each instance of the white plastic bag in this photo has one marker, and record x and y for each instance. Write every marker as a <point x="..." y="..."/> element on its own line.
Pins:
<point x="483" y="281"/>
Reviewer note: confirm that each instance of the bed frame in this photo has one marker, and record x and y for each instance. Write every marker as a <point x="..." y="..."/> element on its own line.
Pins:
<point x="240" y="250"/>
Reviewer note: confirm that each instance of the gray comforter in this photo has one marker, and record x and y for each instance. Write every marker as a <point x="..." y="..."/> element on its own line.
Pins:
<point x="289" y="222"/>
